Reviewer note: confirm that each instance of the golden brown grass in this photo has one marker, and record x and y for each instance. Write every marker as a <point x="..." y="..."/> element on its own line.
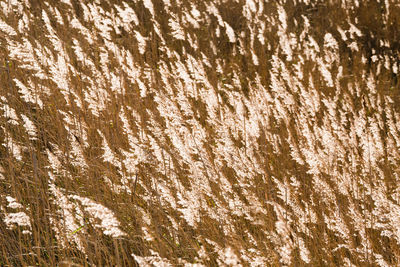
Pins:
<point x="28" y="180"/>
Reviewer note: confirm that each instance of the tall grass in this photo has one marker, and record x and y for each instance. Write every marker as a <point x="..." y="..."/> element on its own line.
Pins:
<point x="260" y="133"/>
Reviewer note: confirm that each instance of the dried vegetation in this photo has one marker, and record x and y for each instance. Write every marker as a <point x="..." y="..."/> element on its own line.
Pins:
<point x="171" y="132"/>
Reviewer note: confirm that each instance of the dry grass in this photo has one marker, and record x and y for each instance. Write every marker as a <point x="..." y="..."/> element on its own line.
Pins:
<point x="245" y="196"/>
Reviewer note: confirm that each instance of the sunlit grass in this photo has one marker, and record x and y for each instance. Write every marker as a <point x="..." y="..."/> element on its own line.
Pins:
<point x="199" y="132"/>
